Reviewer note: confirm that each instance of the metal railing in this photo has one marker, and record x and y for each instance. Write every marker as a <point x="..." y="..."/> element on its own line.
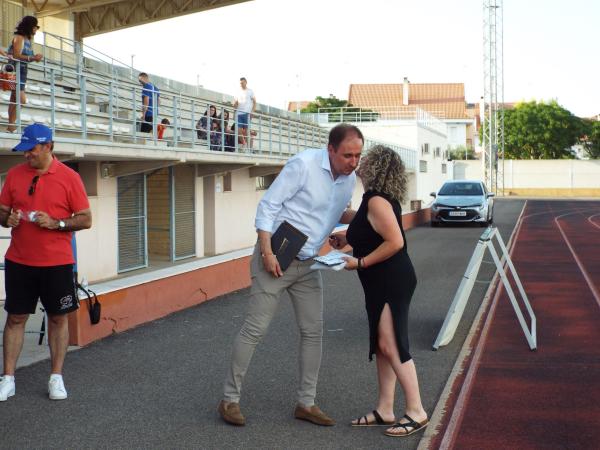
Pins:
<point x="103" y="106"/>
<point x="98" y="107"/>
<point x="429" y="119"/>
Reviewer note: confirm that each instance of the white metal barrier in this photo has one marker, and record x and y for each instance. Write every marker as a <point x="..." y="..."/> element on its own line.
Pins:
<point x="466" y="286"/>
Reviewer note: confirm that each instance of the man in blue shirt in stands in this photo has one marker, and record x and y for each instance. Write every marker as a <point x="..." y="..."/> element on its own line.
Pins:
<point x="311" y="193"/>
<point x="149" y="93"/>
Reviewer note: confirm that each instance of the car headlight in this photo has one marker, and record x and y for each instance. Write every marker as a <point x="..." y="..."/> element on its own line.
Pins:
<point x="435" y="207"/>
<point x="482" y="207"/>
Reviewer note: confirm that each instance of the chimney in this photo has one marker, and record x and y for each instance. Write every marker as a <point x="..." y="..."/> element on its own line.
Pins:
<point x="405" y="92"/>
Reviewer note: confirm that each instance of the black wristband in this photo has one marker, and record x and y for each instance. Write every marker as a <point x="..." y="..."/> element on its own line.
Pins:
<point x="360" y="264"/>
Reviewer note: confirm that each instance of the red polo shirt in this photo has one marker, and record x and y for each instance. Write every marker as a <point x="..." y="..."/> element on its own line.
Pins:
<point x="59" y="193"/>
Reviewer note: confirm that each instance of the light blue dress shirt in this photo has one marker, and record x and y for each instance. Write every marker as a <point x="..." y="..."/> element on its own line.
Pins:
<point x="305" y="195"/>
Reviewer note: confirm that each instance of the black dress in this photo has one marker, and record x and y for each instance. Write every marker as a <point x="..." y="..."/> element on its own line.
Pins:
<point x="392" y="281"/>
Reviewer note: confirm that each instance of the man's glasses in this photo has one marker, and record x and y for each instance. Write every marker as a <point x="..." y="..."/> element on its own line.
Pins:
<point x="33" y="184"/>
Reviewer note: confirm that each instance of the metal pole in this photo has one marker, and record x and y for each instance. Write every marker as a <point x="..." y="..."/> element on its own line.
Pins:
<point x="52" y="101"/>
<point x="110" y="110"/>
<point x="18" y="95"/>
<point x="83" y="108"/>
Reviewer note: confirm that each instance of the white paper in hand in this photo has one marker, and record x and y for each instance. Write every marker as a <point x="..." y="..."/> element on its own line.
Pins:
<point x="332" y="261"/>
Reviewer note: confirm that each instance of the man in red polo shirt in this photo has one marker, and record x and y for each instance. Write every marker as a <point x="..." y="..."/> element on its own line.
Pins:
<point x="43" y="202"/>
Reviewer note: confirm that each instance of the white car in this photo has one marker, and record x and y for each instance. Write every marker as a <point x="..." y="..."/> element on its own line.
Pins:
<point x="462" y="201"/>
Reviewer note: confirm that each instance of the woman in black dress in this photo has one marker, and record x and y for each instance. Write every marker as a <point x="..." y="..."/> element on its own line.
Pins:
<point x="388" y="279"/>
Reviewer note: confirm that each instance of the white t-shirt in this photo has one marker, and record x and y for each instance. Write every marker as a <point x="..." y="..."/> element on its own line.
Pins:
<point x="244" y="100"/>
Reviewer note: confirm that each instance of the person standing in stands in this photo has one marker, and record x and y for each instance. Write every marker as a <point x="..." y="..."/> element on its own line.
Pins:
<point x="311" y="193"/>
<point x="244" y="106"/>
<point x="43" y="201"/>
<point x="21" y="50"/>
<point x="149" y="93"/>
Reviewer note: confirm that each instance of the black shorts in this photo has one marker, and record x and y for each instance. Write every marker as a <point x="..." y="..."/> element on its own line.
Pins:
<point x="53" y="285"/>
<point x="146" y="125"/>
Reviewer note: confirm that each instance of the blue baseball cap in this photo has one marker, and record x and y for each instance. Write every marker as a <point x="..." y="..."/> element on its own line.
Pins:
<point x="33" y="135"/>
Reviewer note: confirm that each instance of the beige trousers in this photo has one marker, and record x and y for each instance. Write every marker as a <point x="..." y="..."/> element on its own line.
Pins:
<point x="305" y="288"/>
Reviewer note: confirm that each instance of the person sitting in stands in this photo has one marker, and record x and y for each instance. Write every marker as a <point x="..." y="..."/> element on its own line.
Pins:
<point x="202" y="125"/>
<point x="215" y="136"/>
<point x="229" y="133"/>
<point x="161" y="127"/>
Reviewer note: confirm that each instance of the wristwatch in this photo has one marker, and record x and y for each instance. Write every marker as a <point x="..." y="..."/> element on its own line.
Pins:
<point x="61" y="225"/>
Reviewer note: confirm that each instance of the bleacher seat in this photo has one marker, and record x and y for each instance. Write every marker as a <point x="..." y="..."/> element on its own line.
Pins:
<point x="41" y="119"/>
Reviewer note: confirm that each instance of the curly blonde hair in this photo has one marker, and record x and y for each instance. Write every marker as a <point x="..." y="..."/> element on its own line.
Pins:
<point x="382" y="170"/>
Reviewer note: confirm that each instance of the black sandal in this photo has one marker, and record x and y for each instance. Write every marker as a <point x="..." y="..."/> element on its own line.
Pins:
<point x="416" y="426"/>
<point x="379" y="422"/>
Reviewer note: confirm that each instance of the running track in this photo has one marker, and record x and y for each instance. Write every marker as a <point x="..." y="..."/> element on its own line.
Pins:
<point x="511" y="397"/>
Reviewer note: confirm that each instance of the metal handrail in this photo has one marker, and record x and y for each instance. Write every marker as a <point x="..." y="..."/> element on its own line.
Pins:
<point x="274" y="135"/>
<point x="181" y="109"/>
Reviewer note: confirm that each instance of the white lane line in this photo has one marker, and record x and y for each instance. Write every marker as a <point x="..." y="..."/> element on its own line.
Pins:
<point x="576" y="258"/>
<point x="464" y="395"/>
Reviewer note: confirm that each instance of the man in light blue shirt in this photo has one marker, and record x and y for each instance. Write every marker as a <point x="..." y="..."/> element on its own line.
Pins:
<point x="312" y="193"/>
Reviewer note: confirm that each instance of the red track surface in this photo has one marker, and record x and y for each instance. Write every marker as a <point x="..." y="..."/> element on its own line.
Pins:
<point x="513" y="398"/>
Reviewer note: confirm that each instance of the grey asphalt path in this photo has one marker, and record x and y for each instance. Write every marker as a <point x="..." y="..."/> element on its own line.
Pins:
<point x="157" y="386"/>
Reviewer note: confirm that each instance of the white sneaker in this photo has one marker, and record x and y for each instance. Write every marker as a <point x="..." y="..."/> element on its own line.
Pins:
<point x="7" y="387"/>
<point x="56" y="388"/>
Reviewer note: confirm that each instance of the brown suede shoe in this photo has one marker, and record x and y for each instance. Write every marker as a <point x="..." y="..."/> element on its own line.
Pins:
<point x="231" y="413"/>
<point x="314" y="415"/>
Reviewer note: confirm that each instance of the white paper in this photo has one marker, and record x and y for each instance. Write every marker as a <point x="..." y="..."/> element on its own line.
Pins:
<point x="331" y="261"/>
<point x="319" y="266"/>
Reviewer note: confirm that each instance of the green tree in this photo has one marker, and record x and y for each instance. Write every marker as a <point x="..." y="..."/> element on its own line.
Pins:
<point x="324" y="102"/>
<point x="340" y="110"/>
<point x="461" y="152"/>
<point x="591" y="140"/>
<point x="541" y="130"/>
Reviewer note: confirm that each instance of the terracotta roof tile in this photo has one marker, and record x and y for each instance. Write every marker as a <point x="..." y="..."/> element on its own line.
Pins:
<point x="298" y="104"/>
<point x="446" y="100"/>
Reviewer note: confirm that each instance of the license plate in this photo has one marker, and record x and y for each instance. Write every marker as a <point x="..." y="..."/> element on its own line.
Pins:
<point x="457" y="213"/>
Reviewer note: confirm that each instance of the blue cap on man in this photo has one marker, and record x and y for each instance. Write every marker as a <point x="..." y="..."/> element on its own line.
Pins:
<point x="34" y="134"/>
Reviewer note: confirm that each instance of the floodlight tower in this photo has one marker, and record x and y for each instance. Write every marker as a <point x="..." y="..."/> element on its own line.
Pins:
<point x="493" y="95"/>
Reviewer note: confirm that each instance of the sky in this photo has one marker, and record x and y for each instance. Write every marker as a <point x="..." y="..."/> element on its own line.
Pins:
<point x="300" y="49"/>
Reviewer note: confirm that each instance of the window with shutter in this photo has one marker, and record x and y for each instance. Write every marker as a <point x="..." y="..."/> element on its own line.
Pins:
<point x="184" y="210"/>
<point x="131" y="222"/>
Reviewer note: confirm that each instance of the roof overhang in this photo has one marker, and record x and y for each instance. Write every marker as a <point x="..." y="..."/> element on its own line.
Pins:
<point x="93" y="17"/>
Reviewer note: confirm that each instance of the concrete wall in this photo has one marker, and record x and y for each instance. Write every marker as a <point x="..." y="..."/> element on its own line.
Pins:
<point x="97" y="247"/>
<point x="468" y="170"/>
<point x="403" y="133"/>
<point x="434" y="177"/>
<point x="61" y="25"/>
<point x="457" y="134"/>
<point x="409" y="134"/>
<point x="235" y="211"/>
<point x="563" y="177"/>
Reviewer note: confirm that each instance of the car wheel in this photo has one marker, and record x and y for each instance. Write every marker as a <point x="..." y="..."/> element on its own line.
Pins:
<point x="434" y="224"/>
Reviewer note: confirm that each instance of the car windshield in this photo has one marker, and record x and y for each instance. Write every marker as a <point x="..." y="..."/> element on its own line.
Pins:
<point x="461" y="189"/>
